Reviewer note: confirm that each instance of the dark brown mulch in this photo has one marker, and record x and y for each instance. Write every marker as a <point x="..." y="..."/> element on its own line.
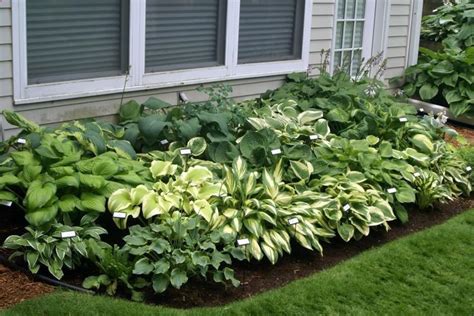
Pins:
<point x="15" y="287"/>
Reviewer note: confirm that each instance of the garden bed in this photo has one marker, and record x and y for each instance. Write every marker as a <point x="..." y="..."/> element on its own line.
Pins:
<point x="257" y="277"/>
<point x="435" y="108"/>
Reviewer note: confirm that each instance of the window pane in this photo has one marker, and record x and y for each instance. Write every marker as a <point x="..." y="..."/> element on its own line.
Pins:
<point x="350" y="9"/>
<point x="360" y="11"/>
<point x="359" y="32"/>
<point x="356" y="60"/>
<point x="341" y="7"/>
<point x="70" y="39"/>
<point x="339" y="34"/>
<point x="337" y="59"/>
<point x="270" y="30"/>
<point x="348" y="33"/>
<point x="183" y="34"/>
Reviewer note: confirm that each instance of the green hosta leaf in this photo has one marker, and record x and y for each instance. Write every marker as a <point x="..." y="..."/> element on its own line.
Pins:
<point x="7" y="196"/>
<point x="92" y="202"/>
<point x="254" y="249"/>
<point x="30" y="173"/>
<point x="123" y="148"/>
<point x="178" y="278"/>
<point x="346" y="231"/>
<point x="92" y="181"/>
<point x="137" y="194"/>
<point x="197" y="174"/>
<point x="338" y="115"/>
<point x="204" y="209"/>
<point x="412" y="153"/>
<point x="42" y="216"/>
<point x="405" y="195"/>
<point x="250" y="142"/>
<point x="428" y="91"/>
<point x="321" y="128"/>
<point x="105" y="168"/>
<point x="269" y="252"/>
<point x="302" y="170"/>
<point x="401" y="213"/>
<point x="423" y="143"/>
<point x="9" y="179"/>
<point x="68" y="203"/>
<point x="119" y="201"/>
<point x="162" y="168"/>
<point x="130" y="111"/>
<point x="143" y="266"/>
<point x="161" y="266"/>
<point x="269" y="184"/>
<point x="239" y="166"/>
<point x="156" y="104"/>
<point x="443" y="68"/>
<point x="309" y="116"/>
<point x="223" y="151"/>
<point x="190" y="128"/>
<point x="151" y="127"/>
<point x="160" y="283"/>
<point x="385" y="149"/>
<point x="24" y="158"/>
<point x="39" y="194"/>
<point x="68" y="181"/>
<point x="197" y="145"/>
<point x="453" y="96"/>
<point x="356" y="177"/>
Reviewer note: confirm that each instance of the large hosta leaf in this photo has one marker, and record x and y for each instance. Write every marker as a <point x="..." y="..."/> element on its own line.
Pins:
<point x="42" y="216"/>
<point x="39" y="194"/>
<point x="92" y="202"/>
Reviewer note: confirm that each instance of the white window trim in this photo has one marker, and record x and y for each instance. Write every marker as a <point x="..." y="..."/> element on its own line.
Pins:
<point x="413" y="46"/>
<point x="368" y="34"/>
<point x="138" y="79"/>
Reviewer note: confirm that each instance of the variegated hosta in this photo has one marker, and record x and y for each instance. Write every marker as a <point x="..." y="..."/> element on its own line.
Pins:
<point x="288" y="123"/>
<point x="257" y="208"/>
<point x="194" y="190"/>
<point x="352" y="207"/>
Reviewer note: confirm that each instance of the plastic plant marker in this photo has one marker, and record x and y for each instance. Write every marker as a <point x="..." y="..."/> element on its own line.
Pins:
<point x="119" y="215"/>
<point x="6" y="203"/>
<point x="416" y="174"/>
<point x="164" y="142"/>
<point x="313" y="137"/>
<point x="392" y="190"/>
<point x="21" y="141"/>
<point x="403" y="119"/>
<point x="68" y="234"/>
<point x="293" y="221"/>
<point x="276" y="151"/>
<point x="243" y="242"/>
<point x="185" y="151"/>
<point x="346" y="207"/>
<point x="468" y="168"/>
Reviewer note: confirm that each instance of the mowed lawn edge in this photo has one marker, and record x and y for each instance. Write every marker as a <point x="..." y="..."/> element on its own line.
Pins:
<point x="428" y="273"/>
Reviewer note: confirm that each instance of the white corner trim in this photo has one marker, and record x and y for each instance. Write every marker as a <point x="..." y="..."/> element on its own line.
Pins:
<point x="416" y="10"/>
<point x="138" y="79"/>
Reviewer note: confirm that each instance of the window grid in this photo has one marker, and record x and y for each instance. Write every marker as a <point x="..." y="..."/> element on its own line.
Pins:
<point x="349" y="17"/>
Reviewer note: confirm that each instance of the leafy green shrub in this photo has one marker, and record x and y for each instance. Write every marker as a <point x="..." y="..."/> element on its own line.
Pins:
<point x="454" y="21"/>
<point x="446" y="78"/>
<point x="54" y="249"/>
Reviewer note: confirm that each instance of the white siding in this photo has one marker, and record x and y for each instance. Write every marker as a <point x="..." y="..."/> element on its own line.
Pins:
<point x="321" y="31"/>
<point x="398" y="37"/>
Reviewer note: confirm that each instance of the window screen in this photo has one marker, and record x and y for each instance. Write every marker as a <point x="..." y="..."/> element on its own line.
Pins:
<point x="183" y="34"/>
<point x="270" y="30"/>
<point x="70" y="39"/>
<point x="349" y="35"/>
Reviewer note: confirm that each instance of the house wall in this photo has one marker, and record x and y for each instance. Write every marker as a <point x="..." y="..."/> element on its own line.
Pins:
<point x="398" y="37"/>
<point x="106" y="106"/>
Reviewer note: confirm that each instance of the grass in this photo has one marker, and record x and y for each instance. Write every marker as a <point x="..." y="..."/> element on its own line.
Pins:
<point x="428" y="273"/>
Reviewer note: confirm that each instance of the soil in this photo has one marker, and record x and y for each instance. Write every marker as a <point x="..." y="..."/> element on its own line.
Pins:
<point x="256" y="277"/>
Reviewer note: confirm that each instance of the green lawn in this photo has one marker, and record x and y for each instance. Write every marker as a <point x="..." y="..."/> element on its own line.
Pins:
<point x="428" y="273"/>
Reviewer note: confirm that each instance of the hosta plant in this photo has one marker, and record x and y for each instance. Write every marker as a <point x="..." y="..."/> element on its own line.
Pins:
<point x="56" y="247"/>
<point x="179" y="247"/>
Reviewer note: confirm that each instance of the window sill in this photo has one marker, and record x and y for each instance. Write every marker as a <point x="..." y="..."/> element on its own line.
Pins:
<point x="89" y="87"/>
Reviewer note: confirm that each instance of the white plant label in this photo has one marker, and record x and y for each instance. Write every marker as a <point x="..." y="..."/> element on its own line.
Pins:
<point x="416" y="174"/>
<point x="313" y="137"/>
<point x="119" y="215"/>
<point x="403" y="119"/>
<point x="185" y="151"/>
<point x="392" y="190"/>
<point x="21" y="141"/>
<point x="164" y="142"/>
<point x="276" y="151"/>
<point x="468" y="168"/>
<point x="293" y="221"/>
<point x="243" y="242"/>
<point x="6" y="203"/>
<point x="346" y="207"/>
<point x="68" y="234"/>
<point x="421" y="110"/>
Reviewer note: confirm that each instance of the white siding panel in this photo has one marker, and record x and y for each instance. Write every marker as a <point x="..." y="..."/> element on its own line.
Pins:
<point x="6" y="69"/>
<point x="5" y="52"/>
<point x="398" y="35"/>
<point x="321" y="32"/>
<point x="6" y="87"/>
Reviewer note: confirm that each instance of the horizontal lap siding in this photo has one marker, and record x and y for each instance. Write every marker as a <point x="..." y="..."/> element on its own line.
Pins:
<point x="6" y="72"/>
<point x="321" y="31"/>
<point x="398" y="37"/>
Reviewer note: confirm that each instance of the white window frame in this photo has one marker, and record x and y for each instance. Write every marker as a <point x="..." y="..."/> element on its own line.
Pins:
<point x="368" y="33"/>
<point x="138" y="79"/>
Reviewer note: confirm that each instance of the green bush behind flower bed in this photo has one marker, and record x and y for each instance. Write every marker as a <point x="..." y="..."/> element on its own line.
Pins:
<point x="315" y="159"/>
